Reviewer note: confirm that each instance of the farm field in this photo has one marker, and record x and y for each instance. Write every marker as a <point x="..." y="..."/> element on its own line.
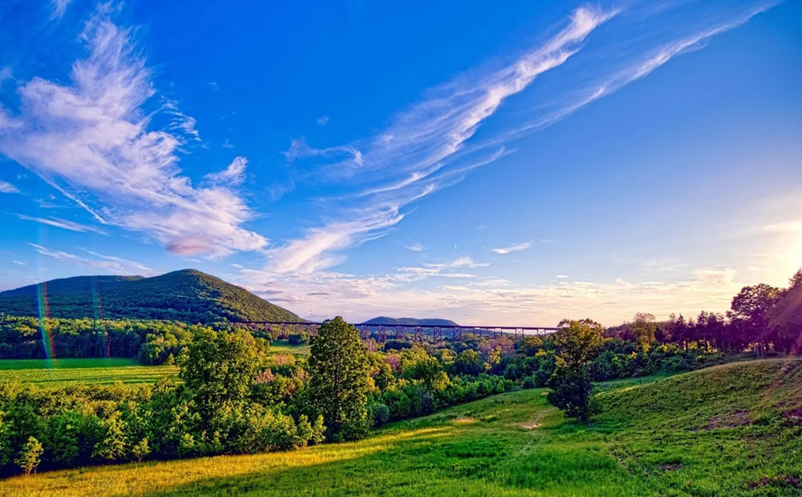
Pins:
<point x="284" y="347"/>
<point x="730" y="430"/>
<point x="59" y="372"/>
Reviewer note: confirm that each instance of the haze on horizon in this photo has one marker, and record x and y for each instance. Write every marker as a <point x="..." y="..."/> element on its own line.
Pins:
<point x="506" y="164"/>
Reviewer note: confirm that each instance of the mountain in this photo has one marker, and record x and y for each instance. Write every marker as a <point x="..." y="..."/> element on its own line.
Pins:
<point x="411" y="321"/>
<point x="189" y="295"/>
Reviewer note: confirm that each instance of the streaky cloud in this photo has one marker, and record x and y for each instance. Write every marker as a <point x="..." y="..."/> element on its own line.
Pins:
<point x="414" y="156"/>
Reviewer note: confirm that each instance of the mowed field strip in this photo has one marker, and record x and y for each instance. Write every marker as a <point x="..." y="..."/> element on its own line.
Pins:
<point x="59" y="372"/>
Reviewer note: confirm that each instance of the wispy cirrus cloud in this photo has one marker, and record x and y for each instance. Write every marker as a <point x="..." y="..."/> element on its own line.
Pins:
<point x="112" y="264"/>
<point x="6" y="187"/>
<point x="59" y="7"/>
<point x="63" y="224"/>
<point x="414" y="156"/>
<point x="431" y="145"/>
<point x="512" y="248"/>
<point x="234" y="174"/>
<point x="92" y="135"/>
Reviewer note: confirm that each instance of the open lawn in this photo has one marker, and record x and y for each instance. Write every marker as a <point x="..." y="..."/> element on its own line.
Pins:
<point x="59" y="372"/>
<point x="733" y="430"/>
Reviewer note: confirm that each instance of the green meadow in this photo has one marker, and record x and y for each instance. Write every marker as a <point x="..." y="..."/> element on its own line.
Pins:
<point x="733" y="430"/>
<point x="59" y="372"/>
<point x="103" y="371"/>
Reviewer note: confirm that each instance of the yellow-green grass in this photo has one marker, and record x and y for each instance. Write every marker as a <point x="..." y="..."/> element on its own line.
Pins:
<point x="284" y="347"/>
<point x="59" y="372"/>
<point x="722" y="431"/>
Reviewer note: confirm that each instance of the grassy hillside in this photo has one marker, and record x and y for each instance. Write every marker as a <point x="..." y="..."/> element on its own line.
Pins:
<point x="188" y="295"/>
<point x="731" y="430"/>
<point x="411" y="321"/>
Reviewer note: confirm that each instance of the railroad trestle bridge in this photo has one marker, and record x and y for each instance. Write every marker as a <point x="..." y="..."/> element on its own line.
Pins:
<point x="416" y="333"/>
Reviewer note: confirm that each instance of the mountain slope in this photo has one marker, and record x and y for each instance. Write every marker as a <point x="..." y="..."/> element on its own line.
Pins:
<point x="411" y="321"/>
<point x="188" y="295"/>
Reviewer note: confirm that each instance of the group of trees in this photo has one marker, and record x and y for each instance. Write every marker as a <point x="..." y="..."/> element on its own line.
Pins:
<point x="762" y="318"/>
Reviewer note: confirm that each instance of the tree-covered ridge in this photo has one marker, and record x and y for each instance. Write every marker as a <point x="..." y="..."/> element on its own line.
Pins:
<point x="411" y="321"/>
<point x="189" y="296"/>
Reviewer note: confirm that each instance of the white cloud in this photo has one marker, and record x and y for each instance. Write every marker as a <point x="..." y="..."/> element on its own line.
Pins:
<point x="234" y="174"/>
<point x="715" y="276"/>
<point x="323" y="120"/>
<point x="180" y="121"/>
<point x="668" y="264"/>
<point x="59" y="7"/>
<point x="63" y="224"/>
<point x="93" y="135"/>
<point x="460" y="262"/>
<point x="299" y="149"/>
<point x="114" y="265"/>
<point x="561" y="276"/>
<point x="512" y="248"/>
<point x="19" y="263"/>
<point x="6" y="73"/>
<point x="416" y="247"/>
<point x="785" y="227"/>
<point x="6" y="187"/>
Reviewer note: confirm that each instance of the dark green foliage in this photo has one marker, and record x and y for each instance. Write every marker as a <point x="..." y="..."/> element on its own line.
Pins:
<point x="219" y="370"/>
<point x="339" y="369"/>
<point x="577" y="343"/>
<point x="572" y="392"/>
<point x="189" y="296"/>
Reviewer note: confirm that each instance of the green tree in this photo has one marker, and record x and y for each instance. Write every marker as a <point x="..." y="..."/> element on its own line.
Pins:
<point x="218" y="371"/>
<point x="141" y="450"/>
<point x="576" y="343"/>
<point x="113" y="446"/>
<point x="30" y="456"/>
<point x="339" y="368"/>
<point x="644" y="327"/>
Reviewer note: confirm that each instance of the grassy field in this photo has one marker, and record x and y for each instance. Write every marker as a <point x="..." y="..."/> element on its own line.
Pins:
<point x="104" y="371"/>
<point x="59" y="372"/>
<point x="284" y="347"/>
<point x="733" y="430"/>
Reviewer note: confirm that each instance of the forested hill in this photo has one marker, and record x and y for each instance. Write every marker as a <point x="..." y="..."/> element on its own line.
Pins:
<point x="189" y="295"/>
<point x="411" y="321"/>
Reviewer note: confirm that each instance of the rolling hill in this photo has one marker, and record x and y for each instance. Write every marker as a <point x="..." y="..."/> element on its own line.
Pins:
<point x="411" y="321"/>
<point x="188" y="295"/>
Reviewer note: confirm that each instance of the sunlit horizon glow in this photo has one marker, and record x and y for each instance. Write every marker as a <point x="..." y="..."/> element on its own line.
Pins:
<point x="513" y="165"/>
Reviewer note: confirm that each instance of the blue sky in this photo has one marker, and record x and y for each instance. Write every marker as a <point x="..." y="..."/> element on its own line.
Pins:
<point x="491" y="162"/>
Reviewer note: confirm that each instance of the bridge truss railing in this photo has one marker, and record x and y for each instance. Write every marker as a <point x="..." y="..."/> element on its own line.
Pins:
<point x="383" y="332"/>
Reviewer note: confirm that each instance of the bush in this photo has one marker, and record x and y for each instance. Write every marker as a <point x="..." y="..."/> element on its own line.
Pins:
<point x="380" y="414"/>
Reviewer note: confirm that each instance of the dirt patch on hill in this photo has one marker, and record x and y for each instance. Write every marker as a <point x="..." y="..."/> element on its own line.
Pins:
<point x="733" y="420"/>
<point x="464" y="421"/>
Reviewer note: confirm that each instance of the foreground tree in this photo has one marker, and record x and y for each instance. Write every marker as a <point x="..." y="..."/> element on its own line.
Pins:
<point x="338" y="390"/>
<point x="30" y="456"/>
<point x="577" y="343"/>
<point x="219" y="370"/>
